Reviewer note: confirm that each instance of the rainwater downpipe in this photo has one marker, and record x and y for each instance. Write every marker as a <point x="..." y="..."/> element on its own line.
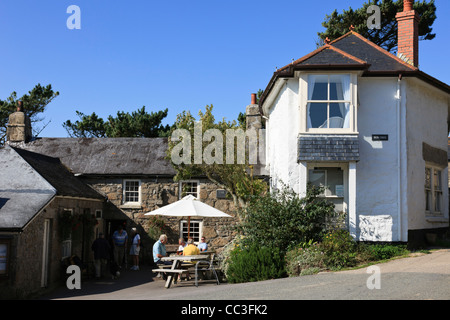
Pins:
<point x="399" y="172"/>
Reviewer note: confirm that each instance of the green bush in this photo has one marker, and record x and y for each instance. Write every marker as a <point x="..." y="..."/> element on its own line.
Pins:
<point x="255" y="263"/>
<point x="282" y="219"/>
<point x="340" y="250"/>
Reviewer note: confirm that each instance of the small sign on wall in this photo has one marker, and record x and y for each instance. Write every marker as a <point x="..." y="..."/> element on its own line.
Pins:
<point x="380" y="137"/>
<point x="221" y="194"/>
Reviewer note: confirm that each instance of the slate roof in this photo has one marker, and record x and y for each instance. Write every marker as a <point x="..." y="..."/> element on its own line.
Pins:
<point x="376" y="57"/>
<point x="59" y="176"/>
<point x="328" y="148"/>
<point x="29" y="181"/>
<point x="23" y="191"/>
<point x="349" y="52"/>
<point x="108" y="156"/>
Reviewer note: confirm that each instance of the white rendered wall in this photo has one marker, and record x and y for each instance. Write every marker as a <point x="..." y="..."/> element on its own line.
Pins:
<point x="427" y="110"/>
<point x="377" y="183"/>
<point x="283" y="128"/>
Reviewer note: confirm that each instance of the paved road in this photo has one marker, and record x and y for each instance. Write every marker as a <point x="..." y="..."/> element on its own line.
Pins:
<point x="419" y="278"/>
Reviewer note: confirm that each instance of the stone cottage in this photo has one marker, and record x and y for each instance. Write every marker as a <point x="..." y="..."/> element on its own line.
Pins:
<point x="135" y="176"/>
<point x="40" y="202"/>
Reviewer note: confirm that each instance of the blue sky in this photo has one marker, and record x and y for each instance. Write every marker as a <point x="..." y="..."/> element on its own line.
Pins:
<point x="180" y="55"/>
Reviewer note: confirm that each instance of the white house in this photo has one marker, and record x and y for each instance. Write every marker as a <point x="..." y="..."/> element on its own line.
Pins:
<point x="368" y="125"/>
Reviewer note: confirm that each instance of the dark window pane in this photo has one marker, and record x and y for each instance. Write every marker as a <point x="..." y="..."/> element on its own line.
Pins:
<point x="337" y="111"/>
<point x="317" y="113"/>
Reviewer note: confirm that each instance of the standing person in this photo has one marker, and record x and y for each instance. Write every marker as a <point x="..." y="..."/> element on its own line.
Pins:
<point x="135" y="248"/>
<point x="182" y="244"/>
<point x="120" y="238"/>
<point x="203" y="246"/>
<point x="101" y="250"/>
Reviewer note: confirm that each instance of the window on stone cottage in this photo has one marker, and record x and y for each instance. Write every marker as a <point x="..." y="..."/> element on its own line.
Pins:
<point x="329" y="101"/>
<point x="189" y="187"/>
<point x="131" y="191"/>
<point x="66" y="241"/>
<point x="194" y="232"/>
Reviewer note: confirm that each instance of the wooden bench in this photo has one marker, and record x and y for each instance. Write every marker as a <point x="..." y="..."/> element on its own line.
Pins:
<point x="179" y="271"/>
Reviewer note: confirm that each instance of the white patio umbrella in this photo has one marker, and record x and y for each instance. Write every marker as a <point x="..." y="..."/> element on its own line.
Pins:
<point x="189" y="207"/>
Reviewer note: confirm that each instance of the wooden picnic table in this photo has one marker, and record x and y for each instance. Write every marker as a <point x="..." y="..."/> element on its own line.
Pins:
<point x="176" y="266"/>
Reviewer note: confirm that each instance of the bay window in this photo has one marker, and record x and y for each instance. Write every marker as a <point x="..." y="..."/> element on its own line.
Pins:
<point x="329" y="103"/>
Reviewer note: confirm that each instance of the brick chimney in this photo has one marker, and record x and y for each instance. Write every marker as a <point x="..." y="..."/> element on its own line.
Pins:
<point x="408" y="34"/>
<point x="19" y="126"/>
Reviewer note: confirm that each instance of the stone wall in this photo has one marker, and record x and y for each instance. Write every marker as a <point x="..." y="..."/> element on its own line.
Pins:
<point x="158" y="192"/>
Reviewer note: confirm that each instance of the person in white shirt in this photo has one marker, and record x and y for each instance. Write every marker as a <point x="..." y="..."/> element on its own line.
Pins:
<point x="203" y="246"/>
<point x="182" y="244"/>
<point x="135" y="248"/>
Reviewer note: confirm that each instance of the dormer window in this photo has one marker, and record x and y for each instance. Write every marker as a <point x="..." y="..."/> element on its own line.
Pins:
<point x="329" y="103"/>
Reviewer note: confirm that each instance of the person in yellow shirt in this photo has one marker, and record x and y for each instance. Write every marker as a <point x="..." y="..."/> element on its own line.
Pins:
<point x="190" y="250"/>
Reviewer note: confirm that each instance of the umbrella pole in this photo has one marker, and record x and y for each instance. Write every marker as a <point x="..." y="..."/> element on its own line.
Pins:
<point x="189" y="226"/>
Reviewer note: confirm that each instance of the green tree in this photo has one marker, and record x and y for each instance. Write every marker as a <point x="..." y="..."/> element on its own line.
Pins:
<point x="35" y="103"/>
<point x="338" y="24"/>
<point x="236" y="178"/>
<point x="137" y="124"/>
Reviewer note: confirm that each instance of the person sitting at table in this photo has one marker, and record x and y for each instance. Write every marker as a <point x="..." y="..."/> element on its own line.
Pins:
<point x="182" y="244"/>
<point x="203" y="246"/>
<point x="159" y="251"/>
<point x="190" y="250"/>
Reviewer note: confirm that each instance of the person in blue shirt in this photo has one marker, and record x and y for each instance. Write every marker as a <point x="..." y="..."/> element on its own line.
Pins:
<point x="119" y="238"/>
<point x="203" y="246"/>
<point x="159" y="251"/>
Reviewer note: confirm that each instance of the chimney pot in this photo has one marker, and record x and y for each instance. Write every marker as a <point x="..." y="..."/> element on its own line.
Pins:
<point x="20" y="106"/>
<point x="253" y="98"/>
<point x="408" y="5"/>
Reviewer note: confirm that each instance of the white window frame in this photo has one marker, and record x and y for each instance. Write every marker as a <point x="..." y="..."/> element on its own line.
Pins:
<point x="180" y="189"/>
<point x="124" y="197"/>
<point x="433" y="192"/>
<point x="200" y="229"/>
<point x="303" y="104"/>
<point x="345" y="175"/>
<point x="66" y="248"/>
<point x="98" y="214"/>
